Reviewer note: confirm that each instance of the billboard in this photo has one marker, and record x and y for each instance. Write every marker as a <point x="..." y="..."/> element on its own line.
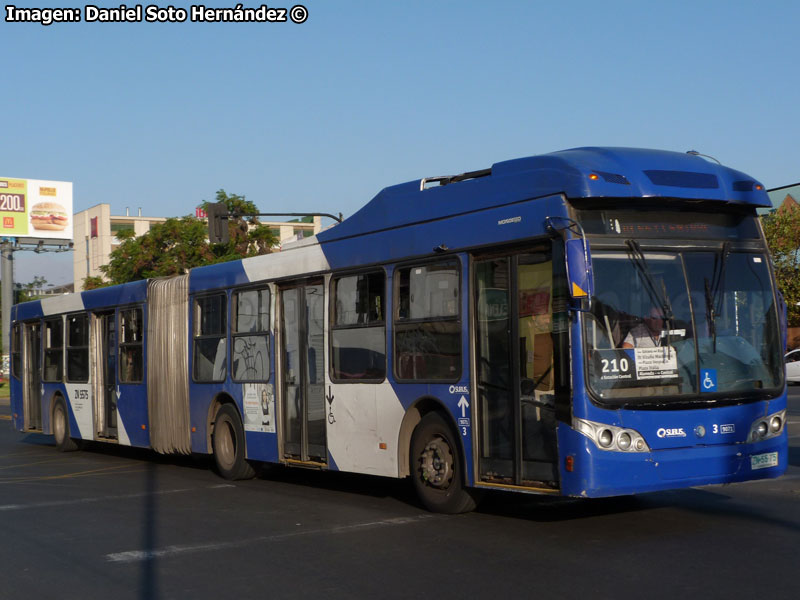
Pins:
<point x="31" y="208"/>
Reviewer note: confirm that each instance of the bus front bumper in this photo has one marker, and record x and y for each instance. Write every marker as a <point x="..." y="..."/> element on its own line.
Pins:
<point x="600" y="473"/>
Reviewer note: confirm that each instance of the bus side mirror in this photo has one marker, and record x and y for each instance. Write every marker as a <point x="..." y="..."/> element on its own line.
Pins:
<point x="579" y="269"/>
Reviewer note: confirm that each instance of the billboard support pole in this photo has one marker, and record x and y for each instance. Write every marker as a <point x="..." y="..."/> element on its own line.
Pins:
<point x="7" y="274"/>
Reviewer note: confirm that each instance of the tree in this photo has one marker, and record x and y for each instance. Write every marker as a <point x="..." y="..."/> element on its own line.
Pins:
<point x="92" y="282"/>
<point x="25" y="291"/>
<point x="782" y="230"/>
<point x="169" y="248"/>
<point x="177" y="245"/>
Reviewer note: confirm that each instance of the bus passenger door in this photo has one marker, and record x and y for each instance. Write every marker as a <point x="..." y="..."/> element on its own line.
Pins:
<point x="514" y="369"/>
<point x="105" y="374"/>
<point x="302" y="372"/>
<point x="31" y="367"/>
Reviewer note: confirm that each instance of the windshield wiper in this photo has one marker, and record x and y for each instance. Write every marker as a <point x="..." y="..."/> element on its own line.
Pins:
<point x="710" y="317"/>
<point x="659" y="299"/>
<point x="713" y="298"/>
<point x="720" y="275"/>
<point x="668" y="311"/>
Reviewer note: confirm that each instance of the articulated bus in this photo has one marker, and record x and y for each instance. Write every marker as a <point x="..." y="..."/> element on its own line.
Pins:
<point x="587" y="323"/>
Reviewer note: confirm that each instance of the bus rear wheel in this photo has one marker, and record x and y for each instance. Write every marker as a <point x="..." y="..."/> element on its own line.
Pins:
<point x="229" y="446"/>
<point x="64" y="443"/>
<point x="436" y="468"/>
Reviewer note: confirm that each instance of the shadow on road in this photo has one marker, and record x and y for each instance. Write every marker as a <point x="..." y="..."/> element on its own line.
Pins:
<point x="794" y="456"/>
<point x="496" y="503"/>
<point x="148" y="586"/>
<point x="138" y="454"/>
<point x="552" y="509"/>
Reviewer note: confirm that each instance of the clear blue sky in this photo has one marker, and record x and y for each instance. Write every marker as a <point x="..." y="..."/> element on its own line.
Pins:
<point x="365" y="94"/>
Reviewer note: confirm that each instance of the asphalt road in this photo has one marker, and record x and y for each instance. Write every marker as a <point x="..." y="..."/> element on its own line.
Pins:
<point x="121" y="523"/>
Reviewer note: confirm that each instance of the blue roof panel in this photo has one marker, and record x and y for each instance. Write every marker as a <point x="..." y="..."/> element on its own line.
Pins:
<point x="621" y="173"/>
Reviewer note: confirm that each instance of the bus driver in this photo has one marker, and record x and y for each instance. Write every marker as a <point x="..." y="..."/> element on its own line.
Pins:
<point x="647" y="334"/>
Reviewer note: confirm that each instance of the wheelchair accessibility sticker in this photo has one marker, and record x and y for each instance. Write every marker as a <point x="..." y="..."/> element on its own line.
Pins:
<point x="708" y="380"/>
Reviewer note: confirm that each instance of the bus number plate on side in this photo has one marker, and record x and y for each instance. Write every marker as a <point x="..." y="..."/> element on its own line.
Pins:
<point x="762" y="461"/>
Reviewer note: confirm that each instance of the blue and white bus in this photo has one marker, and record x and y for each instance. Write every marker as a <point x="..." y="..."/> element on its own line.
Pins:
<point x="588" y="323"/>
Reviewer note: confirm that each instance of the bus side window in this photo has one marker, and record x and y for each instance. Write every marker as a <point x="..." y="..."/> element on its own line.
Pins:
<point x="210" y="342"/>
<point x="250" y="335"/>
<point x="131" y="338"/>
<point x="53" y="350"/>
<point x="358" y="334"/>
<point x="77" y="348"/>
<point x="427" y="327"/>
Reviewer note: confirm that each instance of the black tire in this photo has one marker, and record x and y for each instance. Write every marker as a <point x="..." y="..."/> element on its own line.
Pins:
<point x="229" y="446"/>
<point x="64" y="443"/>
<point x="437" y="469"/>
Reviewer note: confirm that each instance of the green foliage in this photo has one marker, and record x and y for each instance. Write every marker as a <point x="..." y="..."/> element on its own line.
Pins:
<point x="782" y="230"/>
<point x="169" y="248"/>
<point x="92" y="282"/>
<point x="177" y="245"/>
<point x="25" y="291"/>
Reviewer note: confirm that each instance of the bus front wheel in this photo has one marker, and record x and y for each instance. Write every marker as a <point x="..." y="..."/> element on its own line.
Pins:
<point x="437" y="470"/>
<point x="64" y="443"/>
<point x="229" y="447"/>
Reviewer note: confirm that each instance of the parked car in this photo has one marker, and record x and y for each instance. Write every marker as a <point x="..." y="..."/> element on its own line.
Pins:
<point x="792" y="360"/>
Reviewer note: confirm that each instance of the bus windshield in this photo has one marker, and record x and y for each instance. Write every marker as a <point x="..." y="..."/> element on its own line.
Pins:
<point x="679" y="324"/>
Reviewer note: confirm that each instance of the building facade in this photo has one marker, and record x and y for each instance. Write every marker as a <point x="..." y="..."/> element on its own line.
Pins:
<point x="95" y="236"/>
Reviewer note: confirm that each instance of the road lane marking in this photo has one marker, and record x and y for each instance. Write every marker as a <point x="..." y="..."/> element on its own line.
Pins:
<point x="30" y="464"/>
<point x="73" y="475"/>
<point x="37" y="505"/>
<point x="89" y="473"/>
<point x="168" y="551"/>
<point x="32" y="452"/>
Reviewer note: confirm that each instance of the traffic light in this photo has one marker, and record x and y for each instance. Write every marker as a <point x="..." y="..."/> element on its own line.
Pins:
<point x="217" y="223"/>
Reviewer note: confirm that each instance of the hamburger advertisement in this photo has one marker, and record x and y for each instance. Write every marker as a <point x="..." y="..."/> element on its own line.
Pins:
<point x="31" y="208"/>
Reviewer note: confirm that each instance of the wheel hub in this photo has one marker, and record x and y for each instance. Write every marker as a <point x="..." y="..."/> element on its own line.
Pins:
<point x="436" y="464"/>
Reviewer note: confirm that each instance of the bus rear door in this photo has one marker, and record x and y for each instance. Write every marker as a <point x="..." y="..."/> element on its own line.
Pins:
<point x="105" y="374"/>
<point x="303" y="371"/>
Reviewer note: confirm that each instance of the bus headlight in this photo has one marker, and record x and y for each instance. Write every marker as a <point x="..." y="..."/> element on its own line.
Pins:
<point x="775" y="424"/>
<point x="768" y="427"/>
<point x="608" y="437"/>
<point x="605" y="438"/>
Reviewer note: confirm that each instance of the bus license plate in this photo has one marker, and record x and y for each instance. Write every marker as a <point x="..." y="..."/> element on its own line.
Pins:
<point x="762" y="461"/>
